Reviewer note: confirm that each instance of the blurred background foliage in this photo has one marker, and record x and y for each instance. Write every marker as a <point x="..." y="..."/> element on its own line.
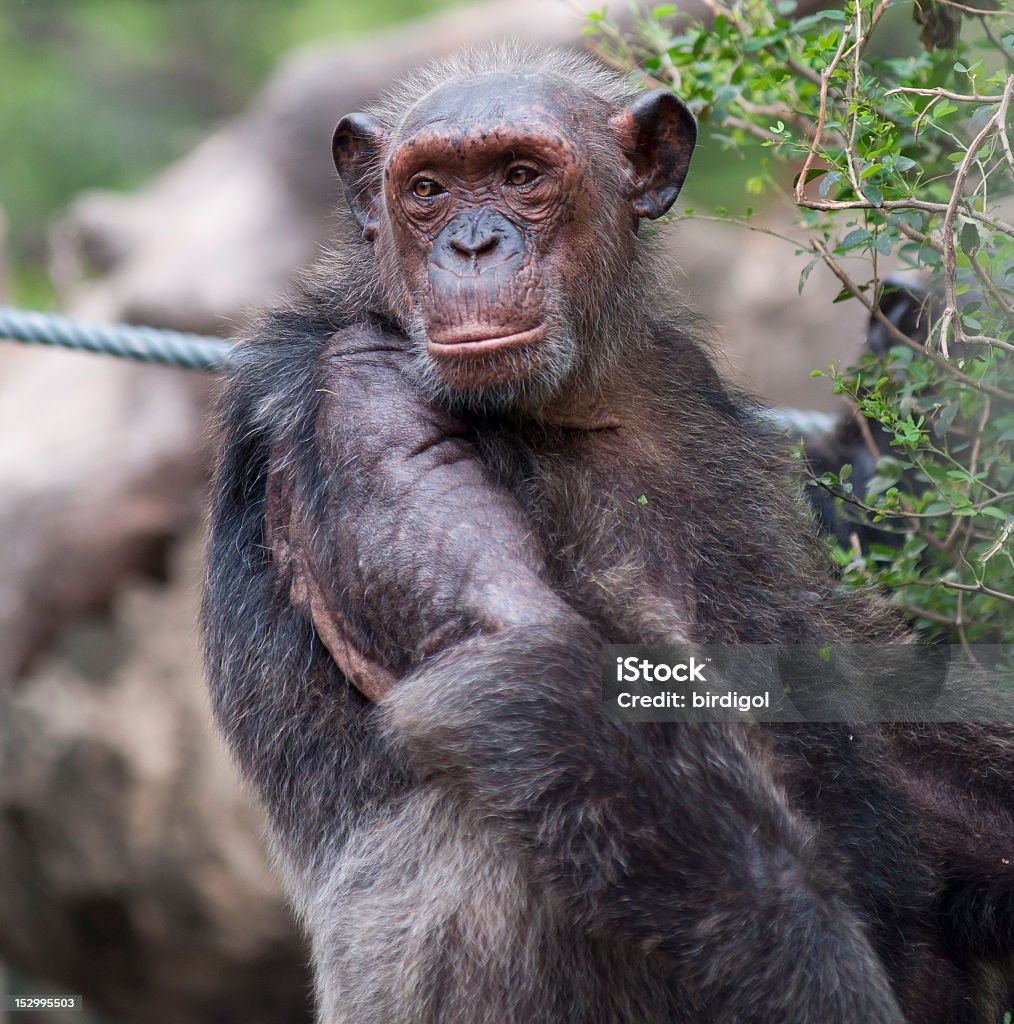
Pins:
<point x="104" y="93"/>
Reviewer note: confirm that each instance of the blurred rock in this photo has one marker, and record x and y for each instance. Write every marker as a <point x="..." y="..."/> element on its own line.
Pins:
<point x="131" y="862"/>
<point x="769" y="336"/>
<point x="100" y="466"/>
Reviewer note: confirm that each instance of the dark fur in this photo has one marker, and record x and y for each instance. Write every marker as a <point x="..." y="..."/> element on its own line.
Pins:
<point x="482" y="846"/>
<point x="910" y="308"/>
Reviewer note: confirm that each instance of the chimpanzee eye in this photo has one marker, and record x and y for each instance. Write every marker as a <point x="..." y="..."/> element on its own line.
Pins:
<point x="520" y="175"/>
<point x="426" y="188"/>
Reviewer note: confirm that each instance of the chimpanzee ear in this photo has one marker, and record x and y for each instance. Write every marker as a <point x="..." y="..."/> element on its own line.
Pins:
<point x="657" y="133"/>
<point x="357" y="145"/>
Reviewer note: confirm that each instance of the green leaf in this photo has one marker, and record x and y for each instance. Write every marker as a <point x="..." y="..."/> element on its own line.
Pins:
<point x="855" y="237"/>
<point x="811" y="174"/>
<point x="969" y="237"/>
<point x="874" y="195"/>
<point x="829" y="182"/>
<point x="945" y="419"/>
<point x="883" y="243"/>
<point x="803" y="277"/>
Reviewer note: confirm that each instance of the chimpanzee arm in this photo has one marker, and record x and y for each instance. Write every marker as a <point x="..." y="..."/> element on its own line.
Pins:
<point x="425" y="582"/>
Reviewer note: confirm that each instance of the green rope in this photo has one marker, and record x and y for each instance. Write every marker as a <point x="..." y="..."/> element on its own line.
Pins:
<point x="146" y="344"/>
<point x="201" y="352"/>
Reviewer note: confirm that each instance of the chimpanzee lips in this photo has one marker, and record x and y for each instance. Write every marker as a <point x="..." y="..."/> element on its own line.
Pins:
<point x="479" y="341"/>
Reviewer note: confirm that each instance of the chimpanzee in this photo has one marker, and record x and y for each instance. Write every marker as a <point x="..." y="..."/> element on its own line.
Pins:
<point x="477" y="446"/>
<point x="910" y="307"/>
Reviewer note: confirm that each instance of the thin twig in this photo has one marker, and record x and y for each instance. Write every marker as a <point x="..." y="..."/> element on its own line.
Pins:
<point x="902" y="204"/>
<point x="944" y="94"/>
<point x="903" y="338"/>
<point x="916" y="612"/>
<point x="973" y="460"/>
<point x="620" y="65"/>
<point x="959" y="624"/>
<point x="986" y="341"/>
<point x="976" y="588"/>
<point x="997" y="543"/>
<point x="997" y="43"/>
<point x="977" y="11"/>
<point x="802" y="70"/>
<point x="864" y="428"/>
<point x="905" y="513"/>
<point x="851" y="101"/>
<point x="924" y="113"/>
<point x="1001" y="116"/>
<point x="951" y="313"/>
<point x="917" y="236"/>
<point x="987" y="282"/>
<point x="818" y="132"/>
<point x="747" y="126"/>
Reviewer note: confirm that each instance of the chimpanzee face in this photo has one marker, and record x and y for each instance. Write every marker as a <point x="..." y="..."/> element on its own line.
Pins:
<point x="499" y="209"/>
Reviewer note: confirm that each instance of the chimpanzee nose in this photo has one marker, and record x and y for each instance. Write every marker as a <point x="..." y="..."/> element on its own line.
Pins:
<point x="475" y="235"/>
<point x="477" y="241"/>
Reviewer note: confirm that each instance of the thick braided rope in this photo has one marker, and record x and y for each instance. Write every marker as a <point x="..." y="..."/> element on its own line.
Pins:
<point x="146" y="344"/>
<point x="801" y="422"/>
<point x="201" y="352"/>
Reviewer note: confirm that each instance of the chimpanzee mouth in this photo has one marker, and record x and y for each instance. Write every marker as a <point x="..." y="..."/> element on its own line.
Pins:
<point x="474" y="343"/>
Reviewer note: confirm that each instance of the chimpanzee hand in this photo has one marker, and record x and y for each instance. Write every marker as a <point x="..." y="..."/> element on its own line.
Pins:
<point x="406" y="546"/>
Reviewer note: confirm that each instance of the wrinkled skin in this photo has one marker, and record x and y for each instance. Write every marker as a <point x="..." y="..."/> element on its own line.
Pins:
<point x="427" y="522"/>
<point x="435" y="532"/>
<point x="494" y="213"/>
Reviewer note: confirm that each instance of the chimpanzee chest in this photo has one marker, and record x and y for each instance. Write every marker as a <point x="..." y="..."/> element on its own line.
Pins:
<point x="608" y="526"/>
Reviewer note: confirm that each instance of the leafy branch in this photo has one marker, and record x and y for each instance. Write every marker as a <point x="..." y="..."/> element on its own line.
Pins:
<point x="900" y="160"/>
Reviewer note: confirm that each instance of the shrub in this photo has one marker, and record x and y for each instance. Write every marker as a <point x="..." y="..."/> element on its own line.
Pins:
<point x="904" y="156"/>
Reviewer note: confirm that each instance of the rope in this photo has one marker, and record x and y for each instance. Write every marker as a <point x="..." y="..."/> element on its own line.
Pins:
<point x="202" y="352"/>
<point x="146" y="344"/>
<point x="802" y="422"/>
